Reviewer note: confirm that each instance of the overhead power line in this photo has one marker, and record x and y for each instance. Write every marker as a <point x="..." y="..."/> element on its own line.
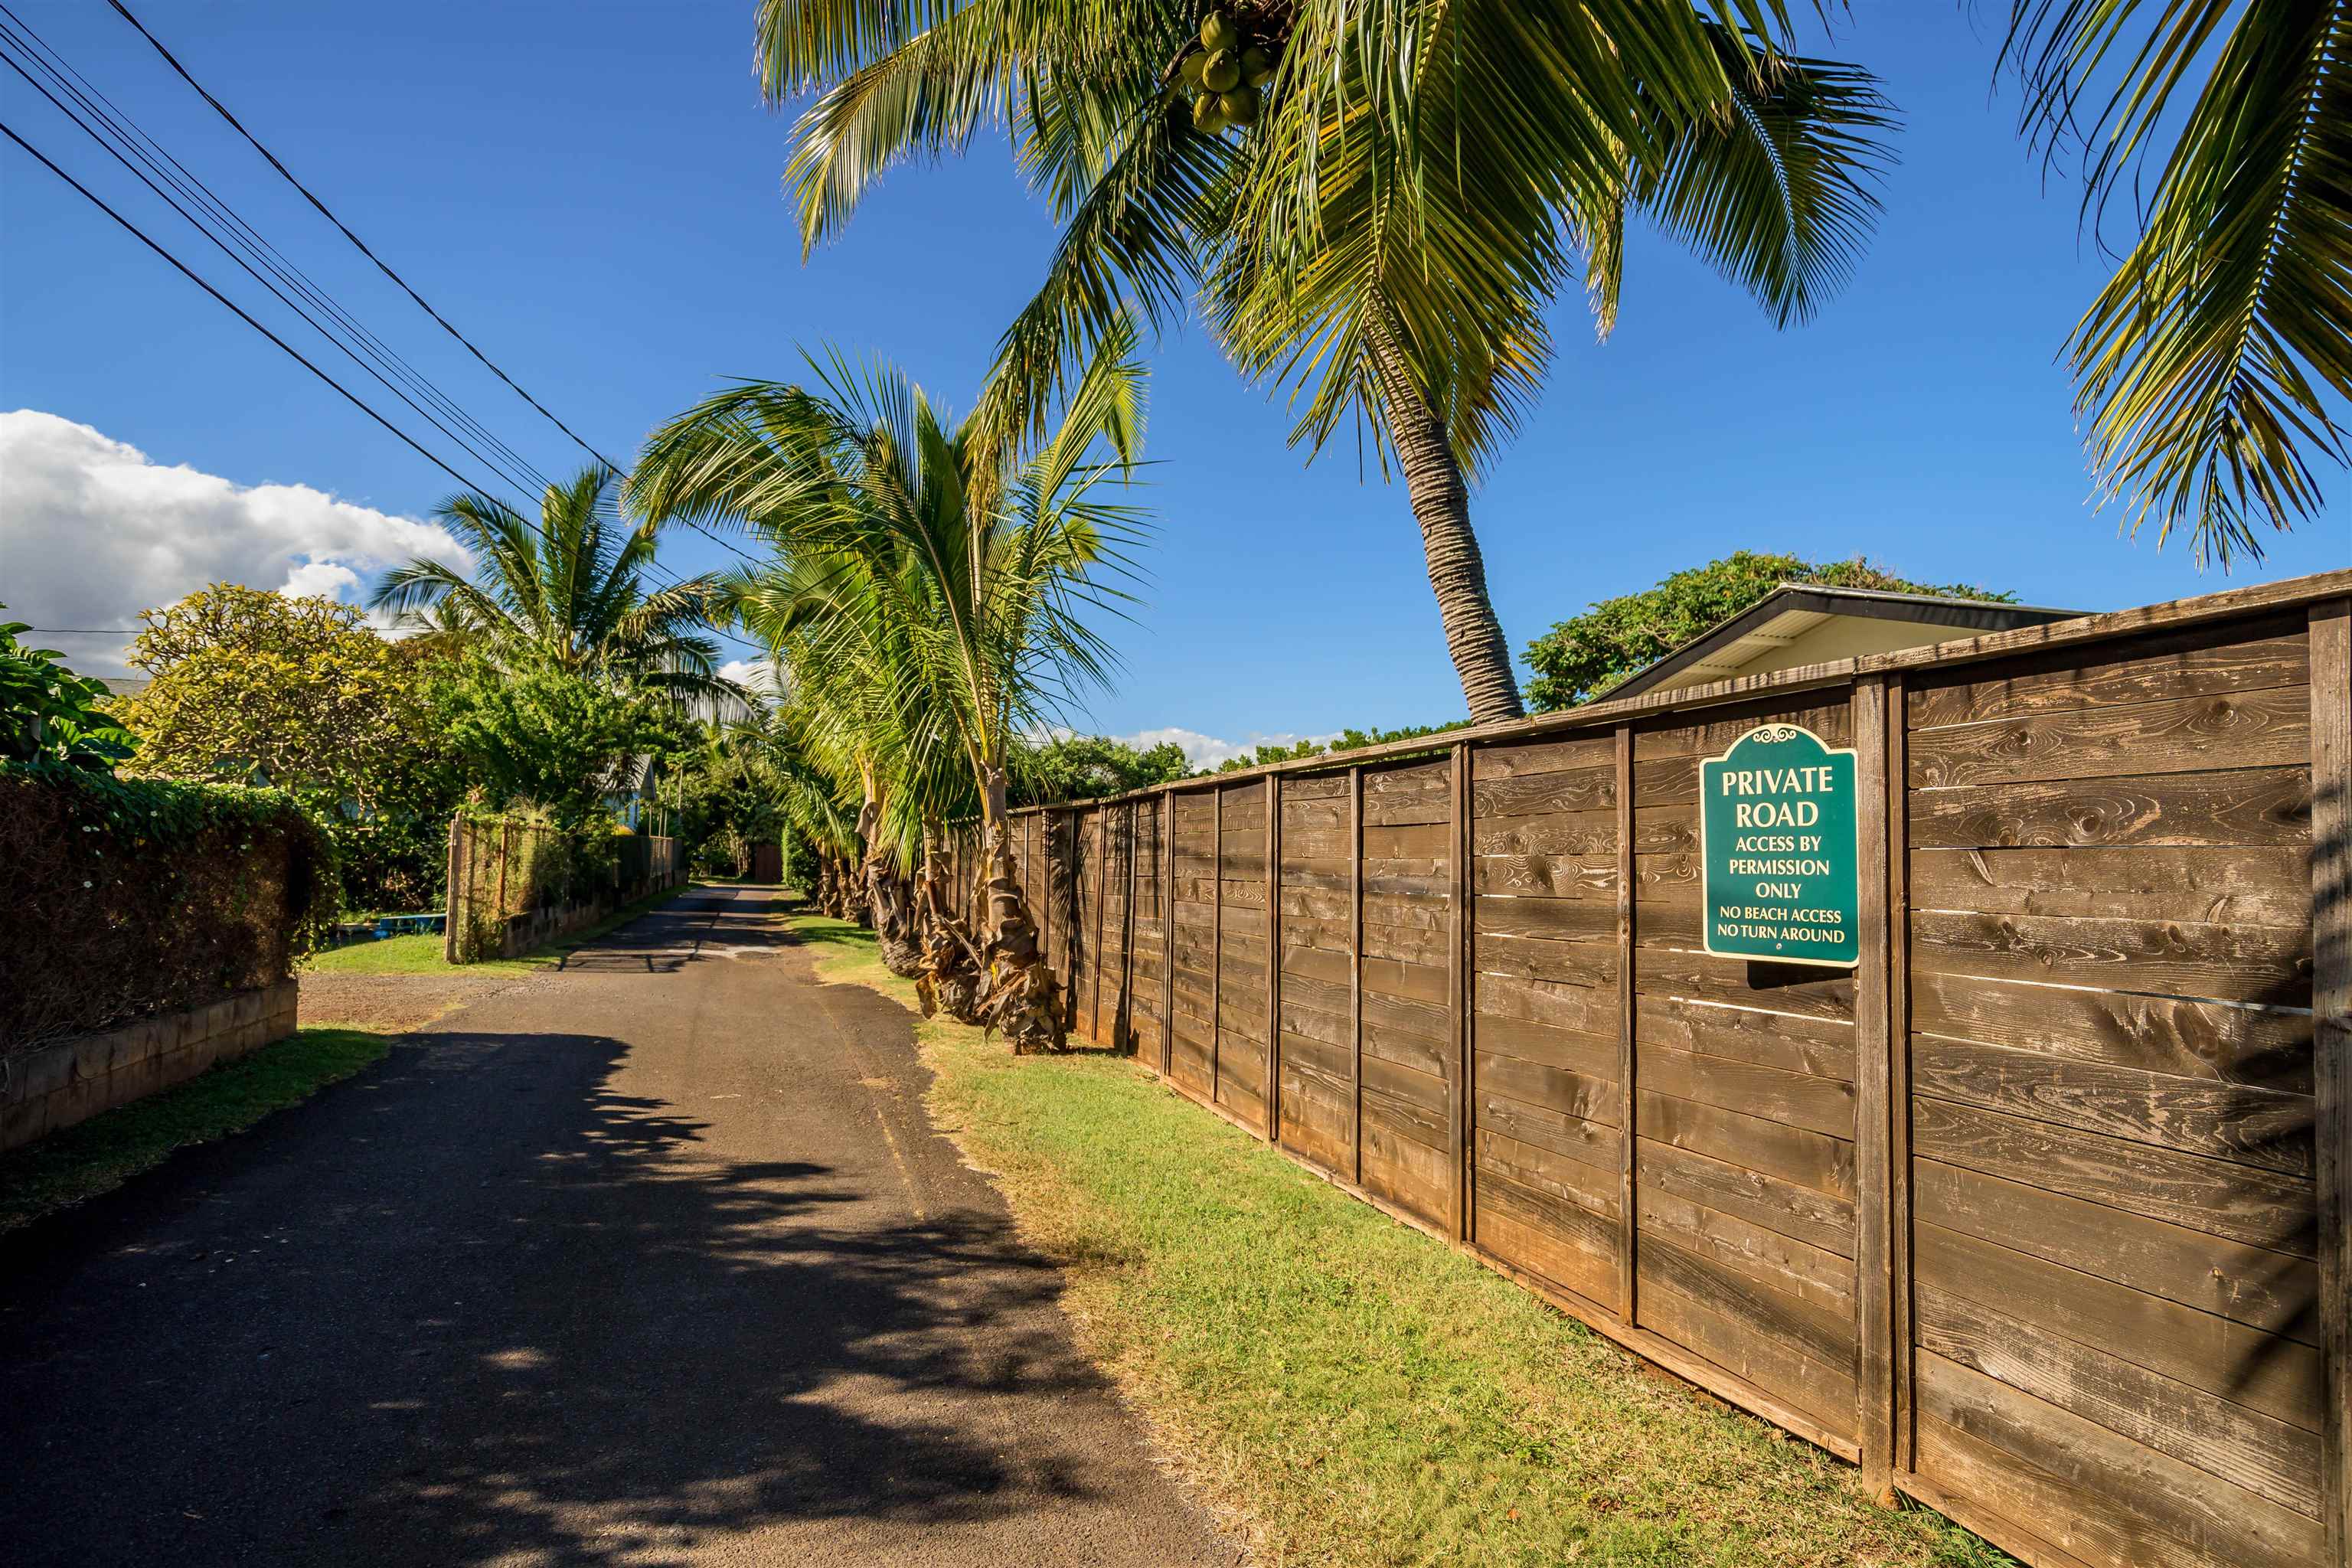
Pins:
<point x="295" y="355"/>
<point x="382" y="265"/>
<point x="222" y="110"/>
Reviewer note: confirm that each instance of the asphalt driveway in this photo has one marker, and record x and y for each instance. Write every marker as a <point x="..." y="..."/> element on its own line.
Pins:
<point x="652" y="1260"/>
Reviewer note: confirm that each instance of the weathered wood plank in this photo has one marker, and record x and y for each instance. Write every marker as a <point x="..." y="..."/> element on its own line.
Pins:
<point x="1570" y="1265"/>
<point x="1795" y="1155"/>
<point x="2236" y="886"/>
<point x="1534" y="958"/>
<point x="2255" y="1285"/>
<point x="2132" y="1486"/>
<point x="1593" y="1056"/>
<point x="1565" y="833"/>
<point x="1589" y="1095"/>
<point x="2244" y="1202"/>
<point x="1592" y="875"/>
<point x="2204" y="663"/>
<point x="2174" y="734"/>
<point x="1581" y="1009"/>
<point x="2159" y="1033"/>
<point x="1790" y="1209"/>
<point x="1819" y="1335"/>
<point x="2265" y="1455"/>
<point x="1426" y="841"/>
<point x="1825" y="1393"/>
<point x="1813" y="1274"/>
<point x="1821" y="1048"/>
<point x="2247" y="806"/>
<point x="1541" y="757"/>
<point x="1711" y="736"/>
<point x="1593" y="1142"/>
<point x="1775" y="987"/>
<point x="1547" y="1170"/>
<point x="2278" y="1377"/>
<point x="1550" y="920"/>
<point x="2270" y="964"/>
<point x="1824" y="1105"/>
<point x="2194" y="1115"/>
<point x="1593" y="788"/>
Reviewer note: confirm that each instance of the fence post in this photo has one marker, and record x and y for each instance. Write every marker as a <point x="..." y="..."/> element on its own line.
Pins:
<point x="1167" y="933"/>
<point x="1628" y="1209"/>
<point x="1457" y="981"/>
<point x="1123" y="1027"/>
<point x="1274" y="958"/>
<point x="1873" y="1112"/>
<point x="1216" y="941"/>
<point x="1898" y="1057"/>
<point x="455" y="895"/>
<point x="1356" y="971"/>
<point x="2331" y="1044"/>
<point x="1102" y="906"/>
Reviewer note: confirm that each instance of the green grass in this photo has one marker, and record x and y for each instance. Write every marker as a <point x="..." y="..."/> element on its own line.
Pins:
<point x="1355" y="1391"/>
<point x="102" y="1153"/>
<point x="421" y="954"/>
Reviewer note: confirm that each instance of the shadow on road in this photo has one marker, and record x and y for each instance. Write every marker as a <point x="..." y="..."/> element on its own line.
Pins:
<point x="479" y="1303"/>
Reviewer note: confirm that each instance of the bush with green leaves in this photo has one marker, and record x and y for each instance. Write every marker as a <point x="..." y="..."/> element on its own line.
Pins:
<point x="1583" y="656"/>
<point x="47" y="713"/>
<point x="544" y="739"/>
<point x="300" y="694"/>
<point x="1088" y="767"/>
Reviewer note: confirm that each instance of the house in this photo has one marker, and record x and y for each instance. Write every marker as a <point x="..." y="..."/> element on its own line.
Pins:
<point x="1805" y="623"/>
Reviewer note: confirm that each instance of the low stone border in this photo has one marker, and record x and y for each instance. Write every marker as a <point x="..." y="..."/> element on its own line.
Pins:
<point x="74" y="1079"/>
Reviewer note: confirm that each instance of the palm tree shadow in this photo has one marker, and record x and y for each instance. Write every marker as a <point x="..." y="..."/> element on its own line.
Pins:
<point x="602" y="1343"/>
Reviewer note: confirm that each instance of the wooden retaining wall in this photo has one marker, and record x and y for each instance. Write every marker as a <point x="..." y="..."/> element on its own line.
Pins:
<point x="2037" y="1213"/>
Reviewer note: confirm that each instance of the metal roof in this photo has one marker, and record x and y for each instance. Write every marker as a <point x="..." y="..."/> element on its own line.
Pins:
<point x="1794" y="609"/>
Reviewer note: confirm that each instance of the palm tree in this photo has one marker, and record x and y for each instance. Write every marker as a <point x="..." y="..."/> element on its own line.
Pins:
<point x="2207" y="363"/>
<point x="948" y="581"/>
<point x="571" y="592"/>
<point x="1421" y="181"/>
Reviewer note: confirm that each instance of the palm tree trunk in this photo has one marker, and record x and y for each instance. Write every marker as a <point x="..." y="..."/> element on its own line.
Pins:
<point x="951" y="981"/>
<point x="1441" y="504"/>
<point x="1023" y="998"/>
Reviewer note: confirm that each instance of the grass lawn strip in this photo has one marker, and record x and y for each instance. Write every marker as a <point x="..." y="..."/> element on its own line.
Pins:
<point x="421" y="954"/>
<point x="102" y="1153"/>
<point x="1350" y="1390"/>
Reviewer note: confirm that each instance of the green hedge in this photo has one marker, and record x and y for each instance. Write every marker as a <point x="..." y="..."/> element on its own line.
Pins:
<point x="121" y="897"/>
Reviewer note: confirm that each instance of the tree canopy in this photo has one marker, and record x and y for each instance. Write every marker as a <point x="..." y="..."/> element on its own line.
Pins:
<point x="1582" y="656"/>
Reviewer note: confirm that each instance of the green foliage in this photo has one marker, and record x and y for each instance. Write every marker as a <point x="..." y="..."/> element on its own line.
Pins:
<point x="1584" y="656"/>
<point x="546" y="737"/>
<point x="135" y="896"/>
<point x="248" y="687"/>
<point x="1348" y="740"/>
<point x="1088" y="767"/>
<point x="47" y="713"/>
<point x="572" y="592"/>
<point x="2213" y="366"/>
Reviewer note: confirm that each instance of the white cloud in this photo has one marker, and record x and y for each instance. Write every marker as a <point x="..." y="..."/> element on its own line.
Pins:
<point x="1209" y="751"/>
<point x="92" y="531"/>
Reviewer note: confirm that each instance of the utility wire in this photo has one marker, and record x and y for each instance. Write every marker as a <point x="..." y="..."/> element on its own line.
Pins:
<point x="422" y="303"/>
<point x="280" y="294"/>
<point x="151" y="152"/>
<point x="221" y="110"/>
<point x="294" y="353"/>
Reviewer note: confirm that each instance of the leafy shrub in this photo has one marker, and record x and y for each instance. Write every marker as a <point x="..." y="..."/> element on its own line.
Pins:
<point x="131" y="897"/>
<point x="1583" y="656"/>
<point x="50" y="713"/>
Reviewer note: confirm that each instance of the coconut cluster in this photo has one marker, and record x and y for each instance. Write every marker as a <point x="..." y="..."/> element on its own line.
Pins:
<point x="1225" y="73"/>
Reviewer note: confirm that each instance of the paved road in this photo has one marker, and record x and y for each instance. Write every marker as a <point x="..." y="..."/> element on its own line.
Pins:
<point x="652" y="1261"/>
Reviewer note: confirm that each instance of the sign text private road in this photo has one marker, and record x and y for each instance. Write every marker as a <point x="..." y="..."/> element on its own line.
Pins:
<point x="1779" y="863"/>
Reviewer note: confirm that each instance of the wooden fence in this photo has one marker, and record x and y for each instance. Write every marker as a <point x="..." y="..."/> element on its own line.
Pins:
<point x="2037" y="1213"/>
<point x="514" y="886"/>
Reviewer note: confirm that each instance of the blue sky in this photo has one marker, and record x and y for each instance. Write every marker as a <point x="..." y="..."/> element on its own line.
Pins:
<point x="592" y="192"/>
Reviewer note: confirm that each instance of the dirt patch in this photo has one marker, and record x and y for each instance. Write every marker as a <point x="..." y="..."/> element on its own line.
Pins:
<point x="395" y="1004"/>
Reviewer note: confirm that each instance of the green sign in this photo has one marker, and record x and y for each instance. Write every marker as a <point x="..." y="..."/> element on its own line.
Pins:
<point x="1780" y="865"/>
